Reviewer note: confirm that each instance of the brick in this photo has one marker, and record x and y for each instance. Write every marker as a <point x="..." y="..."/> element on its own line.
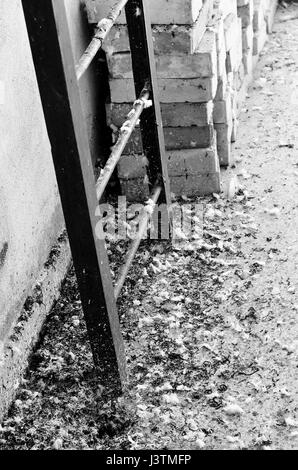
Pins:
<point x="246" y="12"/>
<point x="224" y="137"/>
<point x="230" y="79"/>
<point x="217" y="26"/>
<point x="259" y="16"/>
<point x="242" y="95"/>
<point x="270" y="13"/>
<point x="221" y="61"/>
<point x="247" y="62"/>
<point x="234" y="54"/>
<point x="206" y="54"/>
<point x="235" y="122"/>
<point x="161" y="11"/>
<point x="168" y="39"/>
<point x="221" y="87"/>
<point x="195" y="185"/>
<point x="234" y="130"/>
<point x="135" y="190"/>
<point x="223" y="110"/>
<point x="187" y="114"/>
<point x="259" y="41"/>
<point x="173" y="114"/>
<point x="230" y="31"/>
<point x="192" y="172"/>
<point x="247" y="38"/>
<point x="226" y="7"/>
<point x="192" y="162"/>
<point x="185" y="162"/>
<point x="201" y="64"/>
<point x="199" y="90"/>
<point x="132" y="167"/>
<point x="239" y="77"/>
<point x="176" y="138"/>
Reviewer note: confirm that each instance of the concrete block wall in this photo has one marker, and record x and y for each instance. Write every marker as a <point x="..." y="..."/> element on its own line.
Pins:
<point x="205" y="54"/>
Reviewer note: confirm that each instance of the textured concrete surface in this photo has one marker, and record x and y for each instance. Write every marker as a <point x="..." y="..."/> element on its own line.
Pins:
<point x="30" y="213"/>
<point x="28" y="324"/>
<point x="29" y="208"/>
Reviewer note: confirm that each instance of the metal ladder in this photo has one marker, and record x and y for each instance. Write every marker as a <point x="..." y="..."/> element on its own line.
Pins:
<point x="58" y="78"/>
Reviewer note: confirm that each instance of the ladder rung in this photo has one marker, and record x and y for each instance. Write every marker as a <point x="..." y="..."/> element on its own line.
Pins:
<point x="102" y="30"/>
<point x="136" y="243"/>
<point x="118" y="148"/>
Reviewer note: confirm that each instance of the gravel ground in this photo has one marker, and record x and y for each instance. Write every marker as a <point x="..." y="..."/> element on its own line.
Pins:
<point x="210" y="328"/>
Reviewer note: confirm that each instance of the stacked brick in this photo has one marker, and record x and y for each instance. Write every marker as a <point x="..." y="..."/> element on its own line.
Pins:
<point x="263" y="17"/>
<point x="205" y="52"/>
<point x="186" y="61"/>
<point x="241" y="27"/>
<point x="227" y="26"/>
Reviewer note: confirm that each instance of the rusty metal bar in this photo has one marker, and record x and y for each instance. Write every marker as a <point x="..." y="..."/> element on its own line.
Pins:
<point x="136" y="243"/>
<point x="144" y="71"/>
<point x="102" y="30"/>
<point x="125" y="133"/>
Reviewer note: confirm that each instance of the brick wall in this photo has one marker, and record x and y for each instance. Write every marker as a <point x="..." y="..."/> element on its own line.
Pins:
<point x="205" y="54"/>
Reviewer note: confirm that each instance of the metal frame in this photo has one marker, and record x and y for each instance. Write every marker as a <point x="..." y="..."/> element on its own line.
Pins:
<point x="58" y="77"/>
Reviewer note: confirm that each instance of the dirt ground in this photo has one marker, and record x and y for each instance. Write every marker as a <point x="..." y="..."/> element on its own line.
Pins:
<point x="211" y="332"/>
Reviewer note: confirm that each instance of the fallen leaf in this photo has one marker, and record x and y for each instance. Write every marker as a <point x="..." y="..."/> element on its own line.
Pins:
<point x="233" y="410"/>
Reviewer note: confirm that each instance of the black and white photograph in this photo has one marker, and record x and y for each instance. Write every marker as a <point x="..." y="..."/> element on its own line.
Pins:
<point x="148" y="228"/>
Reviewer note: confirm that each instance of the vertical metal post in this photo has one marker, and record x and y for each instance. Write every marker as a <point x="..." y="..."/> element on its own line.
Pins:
<point x="55" y="69"/>
<point x="144" y="71"/>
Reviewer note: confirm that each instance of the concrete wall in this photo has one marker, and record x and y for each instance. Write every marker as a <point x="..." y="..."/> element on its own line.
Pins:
<point x="30" y="214"/>
<point x="30" y="217"/>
